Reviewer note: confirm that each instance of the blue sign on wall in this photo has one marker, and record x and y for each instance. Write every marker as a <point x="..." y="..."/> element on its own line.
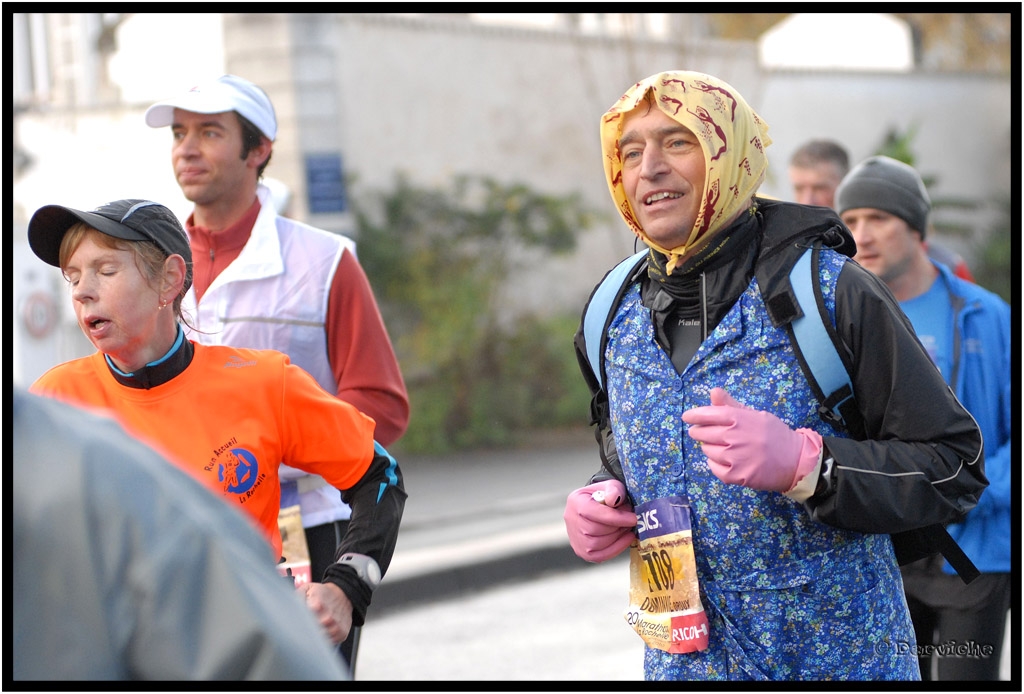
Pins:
<point x="325" y="183"/>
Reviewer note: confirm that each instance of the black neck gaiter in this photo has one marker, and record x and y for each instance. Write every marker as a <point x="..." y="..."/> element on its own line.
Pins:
<point x="678" y="301"/>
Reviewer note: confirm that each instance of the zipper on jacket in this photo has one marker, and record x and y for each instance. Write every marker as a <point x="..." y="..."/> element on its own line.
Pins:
<point x="703" y="306"/>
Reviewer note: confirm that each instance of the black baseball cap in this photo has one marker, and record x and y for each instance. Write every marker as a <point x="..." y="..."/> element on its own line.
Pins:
<point x="131" y="220"/>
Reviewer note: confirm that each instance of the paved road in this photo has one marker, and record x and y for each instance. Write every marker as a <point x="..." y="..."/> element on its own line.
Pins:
<point x="564" y="626"/>
<point x="475" y="518"/>
<point x="560" y="626"/>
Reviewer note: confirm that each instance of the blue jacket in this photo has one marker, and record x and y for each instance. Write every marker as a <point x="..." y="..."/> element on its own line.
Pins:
<point x="982" y="382"/>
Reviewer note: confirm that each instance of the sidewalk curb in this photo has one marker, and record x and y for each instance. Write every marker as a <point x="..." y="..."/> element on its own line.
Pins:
<point x="471" y="577"/>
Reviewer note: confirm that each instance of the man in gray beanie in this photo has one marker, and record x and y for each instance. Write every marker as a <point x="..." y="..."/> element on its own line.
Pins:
<point x="887" y="184"/>
<point x="966" y="331"/>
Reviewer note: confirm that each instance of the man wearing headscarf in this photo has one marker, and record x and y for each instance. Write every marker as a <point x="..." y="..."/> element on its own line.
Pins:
<point x="759" y="549"/>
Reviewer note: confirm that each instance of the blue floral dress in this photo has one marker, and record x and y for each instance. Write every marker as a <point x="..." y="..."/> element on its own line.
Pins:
<point x="787" y="598"/>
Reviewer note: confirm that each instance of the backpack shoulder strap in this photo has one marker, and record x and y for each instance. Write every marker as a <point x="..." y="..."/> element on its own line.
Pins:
<point x="601" y="307"/>
<point x="814" y="339"/>
<point x="789" y="284"/>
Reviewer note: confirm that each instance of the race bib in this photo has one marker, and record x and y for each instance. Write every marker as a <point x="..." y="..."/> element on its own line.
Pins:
<point x="294" y="550"/>
<point x="664" y="596"/>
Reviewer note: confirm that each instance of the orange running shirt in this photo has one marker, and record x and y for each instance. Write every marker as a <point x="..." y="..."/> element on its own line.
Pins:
<point x="230" y="419"/>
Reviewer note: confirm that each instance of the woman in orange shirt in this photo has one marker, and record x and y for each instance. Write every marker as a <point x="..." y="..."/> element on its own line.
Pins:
<point x="229" y="416"/>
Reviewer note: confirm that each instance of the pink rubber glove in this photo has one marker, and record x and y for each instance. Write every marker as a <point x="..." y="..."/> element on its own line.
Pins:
<point x="752" y="448"/>
<point x="599" y="531"/>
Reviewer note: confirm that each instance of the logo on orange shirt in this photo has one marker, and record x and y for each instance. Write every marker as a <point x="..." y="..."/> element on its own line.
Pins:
<point x="238" y="471"/>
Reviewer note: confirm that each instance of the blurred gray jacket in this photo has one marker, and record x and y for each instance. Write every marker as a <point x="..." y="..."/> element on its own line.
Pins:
<point x="126" y="568"/>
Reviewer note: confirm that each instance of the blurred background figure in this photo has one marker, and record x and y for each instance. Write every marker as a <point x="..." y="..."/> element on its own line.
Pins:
<point x="941" y="253"/>
<point x="815" y="171"/>
<point x="966" y="331"/>
<point x="126" y="568"/>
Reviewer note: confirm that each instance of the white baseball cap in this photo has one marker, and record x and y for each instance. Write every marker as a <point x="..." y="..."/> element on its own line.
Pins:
<point x="226" y="93"/>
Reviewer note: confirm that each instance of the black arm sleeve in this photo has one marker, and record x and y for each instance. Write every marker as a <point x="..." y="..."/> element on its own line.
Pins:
<point x="918" y="460"/>
<point x="377" y="502"/>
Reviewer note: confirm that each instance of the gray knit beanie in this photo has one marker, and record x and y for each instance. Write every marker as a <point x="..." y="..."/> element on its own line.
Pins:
<point x="886" y="184"/>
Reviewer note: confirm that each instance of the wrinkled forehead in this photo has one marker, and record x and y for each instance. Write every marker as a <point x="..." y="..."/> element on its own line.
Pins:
<point x="707" y="106"/>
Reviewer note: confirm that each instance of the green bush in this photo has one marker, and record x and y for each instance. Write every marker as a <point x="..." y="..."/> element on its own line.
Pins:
<point x="436" y="259"/>
<point x="517" y="383"/>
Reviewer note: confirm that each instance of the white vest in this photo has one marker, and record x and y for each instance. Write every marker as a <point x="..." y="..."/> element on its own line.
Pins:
<point x="274" y="294"/>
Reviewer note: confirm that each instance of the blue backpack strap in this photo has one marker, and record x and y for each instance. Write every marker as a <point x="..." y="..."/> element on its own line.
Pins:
<point x="816" y="343"/>
<point x="598" y="311"/>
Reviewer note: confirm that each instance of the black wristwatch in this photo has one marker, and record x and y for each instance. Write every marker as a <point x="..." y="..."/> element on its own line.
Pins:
<point x="826" y="483"/>
<point x="366" y="568"/>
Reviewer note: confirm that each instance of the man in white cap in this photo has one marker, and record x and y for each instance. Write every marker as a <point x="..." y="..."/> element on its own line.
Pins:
<point x="966" y="330"/>
<point x="265" y="281"/>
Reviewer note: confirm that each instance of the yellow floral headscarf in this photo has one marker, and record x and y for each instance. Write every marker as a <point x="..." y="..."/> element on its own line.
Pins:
<point x="732" y="136"/>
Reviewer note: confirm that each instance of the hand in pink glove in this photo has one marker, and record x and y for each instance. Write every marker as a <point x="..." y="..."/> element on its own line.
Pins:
<point x="752" y="448"/>
<point x="599" y="531"/>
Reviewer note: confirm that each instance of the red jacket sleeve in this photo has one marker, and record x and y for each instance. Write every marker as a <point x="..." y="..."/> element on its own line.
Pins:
<point x="362" y="358"/>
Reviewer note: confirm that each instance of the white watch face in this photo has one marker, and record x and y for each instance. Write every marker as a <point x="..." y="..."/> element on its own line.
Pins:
<point x="366" y="568"/>
<point x="373" y="572"/>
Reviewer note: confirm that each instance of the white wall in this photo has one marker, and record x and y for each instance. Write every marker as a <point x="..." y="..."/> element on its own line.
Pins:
<point x="435" y="98"/>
